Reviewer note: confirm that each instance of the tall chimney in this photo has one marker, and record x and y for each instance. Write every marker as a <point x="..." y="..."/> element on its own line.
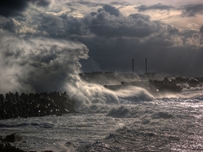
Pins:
<point x="133" y="68"/>
<point x="145" y="65"/>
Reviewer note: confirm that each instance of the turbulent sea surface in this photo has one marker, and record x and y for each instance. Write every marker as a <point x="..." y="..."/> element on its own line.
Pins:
<point x="168" y="123"/>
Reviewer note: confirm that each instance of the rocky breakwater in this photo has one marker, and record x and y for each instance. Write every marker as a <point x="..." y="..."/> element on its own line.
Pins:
<point x="34" y="105"/>
<point x="174" y="85"/>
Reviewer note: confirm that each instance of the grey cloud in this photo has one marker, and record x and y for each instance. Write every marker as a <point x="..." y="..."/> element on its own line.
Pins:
<point x="42" y="3"/>
<point x="154" y="7"/>
<point x="59" y="26"/>
<point x="8" y="24"/>
<point x="111" y="23"/>
<point x="120" y="3"/>
<point x="192" y="10"/>
<point x="88" y="3"/>
<point x="111" y="10"/>
<point x="46" y="25"/>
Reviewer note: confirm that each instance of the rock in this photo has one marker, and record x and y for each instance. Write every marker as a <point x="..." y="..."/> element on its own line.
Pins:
<point x="68" y="144"/>
<point x="12" y="138"/>
<point x="35" y="105"/>
<point x="7" y="147"/>
<point x="181" y="79"/>
<point x="165" y="86"/>
<point x="163" y="115"/>
<point x="193" y="82"/>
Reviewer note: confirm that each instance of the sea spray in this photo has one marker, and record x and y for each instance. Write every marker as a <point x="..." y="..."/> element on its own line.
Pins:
<point x="39" y="64"/>
<point x="134" y="94"/>
<point x="85" y="95"/>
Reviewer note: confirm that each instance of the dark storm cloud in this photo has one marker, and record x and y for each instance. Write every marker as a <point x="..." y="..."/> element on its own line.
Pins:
<point x="59" y="26"/>
<point x="51" y="26"/>
<point x="111" y="10"/>
<point x="119" y="38"/>
<point x="109" y="22"/>
<point x="167" y="53"/>
<point x="12" y="7"/>
<point x="167" y="49"/>
<point x="15" y="7"/>
<point x="8" y="25"/>
<point x="201" y="29"/>
<point x="192" y="10"/>
<point x="154" y="7"/>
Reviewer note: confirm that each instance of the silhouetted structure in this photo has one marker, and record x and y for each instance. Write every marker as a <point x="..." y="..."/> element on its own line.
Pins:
<point x="133" y="66"/>
<point x="146" y="65"/>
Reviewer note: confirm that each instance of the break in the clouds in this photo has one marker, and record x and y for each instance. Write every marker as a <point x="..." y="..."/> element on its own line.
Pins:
<point x="189" y="10"/>
<point x="43" y="41"/>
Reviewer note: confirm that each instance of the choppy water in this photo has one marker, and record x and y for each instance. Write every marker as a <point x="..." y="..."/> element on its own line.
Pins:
<point x="170" y="123"/>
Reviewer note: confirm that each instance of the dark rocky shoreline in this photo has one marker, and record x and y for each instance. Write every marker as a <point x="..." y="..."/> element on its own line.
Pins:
<point x="34" y="105"/>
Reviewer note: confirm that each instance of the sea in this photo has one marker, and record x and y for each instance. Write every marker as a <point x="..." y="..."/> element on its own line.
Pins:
<point x="138" y="121"/>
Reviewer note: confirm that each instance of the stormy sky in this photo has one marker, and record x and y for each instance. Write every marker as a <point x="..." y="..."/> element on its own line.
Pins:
<point x="53" y="40"/>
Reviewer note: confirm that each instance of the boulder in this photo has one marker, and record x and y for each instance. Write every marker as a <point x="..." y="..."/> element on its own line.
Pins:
<point x="193" y="82"/>
<point x="12" y="138"/>
<point x="7" y="147"/>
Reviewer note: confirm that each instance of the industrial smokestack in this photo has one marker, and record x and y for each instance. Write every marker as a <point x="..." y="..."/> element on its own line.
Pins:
<point x="133" y="68"/>
<point x="145" y="65"/>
